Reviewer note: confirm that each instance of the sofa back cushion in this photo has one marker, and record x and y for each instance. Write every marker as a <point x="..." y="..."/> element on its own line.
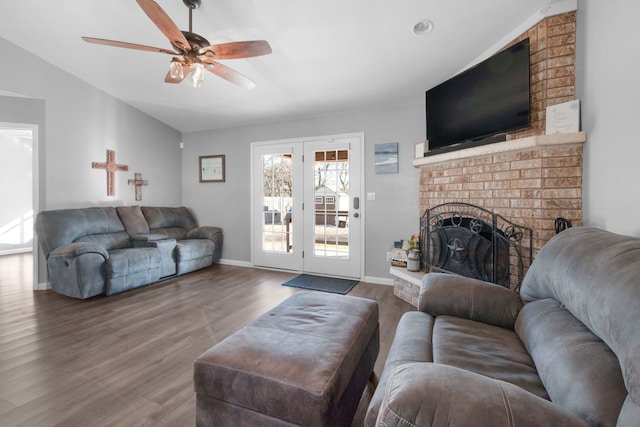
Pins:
<point x="133" y="220"/>
<point x="594" y="275"/>
<point x="579" y="371"/>
<point x="60" y="227"/>
<point x="162" y="217"/>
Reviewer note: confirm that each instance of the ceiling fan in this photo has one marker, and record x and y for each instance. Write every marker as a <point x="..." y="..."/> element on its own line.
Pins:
<point x="197" y="53"/>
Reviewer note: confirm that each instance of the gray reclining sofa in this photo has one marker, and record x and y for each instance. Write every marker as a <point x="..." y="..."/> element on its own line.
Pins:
<point x="565" y="352"/>
<point x="91" y="251"/>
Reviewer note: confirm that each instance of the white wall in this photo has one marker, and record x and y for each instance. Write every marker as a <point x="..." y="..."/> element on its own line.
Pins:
<point x="81" y="123"/>
<point x="608" y="60"/>
<point x="393" y="215"/>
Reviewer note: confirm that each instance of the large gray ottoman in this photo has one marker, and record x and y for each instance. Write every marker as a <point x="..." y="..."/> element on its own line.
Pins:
<point x="304" y="363"/>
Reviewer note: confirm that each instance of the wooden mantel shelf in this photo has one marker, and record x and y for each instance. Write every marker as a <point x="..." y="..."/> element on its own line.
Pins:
<point x="504" y="147"/>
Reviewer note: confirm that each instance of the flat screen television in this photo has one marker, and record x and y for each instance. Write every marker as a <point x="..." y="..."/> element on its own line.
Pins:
<point x="488" y="99"/>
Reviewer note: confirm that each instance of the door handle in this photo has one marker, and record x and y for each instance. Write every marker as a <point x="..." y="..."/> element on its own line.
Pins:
<point x="356" y="203"/>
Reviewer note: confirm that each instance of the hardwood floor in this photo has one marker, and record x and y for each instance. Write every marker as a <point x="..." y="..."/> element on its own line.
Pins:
<point x="127" y="359"/>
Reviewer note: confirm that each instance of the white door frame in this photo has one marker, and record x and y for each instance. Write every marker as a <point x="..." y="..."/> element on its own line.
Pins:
<point x="34" y="193"/>
<point x="362" y="209"/>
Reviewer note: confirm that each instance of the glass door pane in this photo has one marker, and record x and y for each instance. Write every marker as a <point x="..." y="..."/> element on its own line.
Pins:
<point x="277" y="186"/>
<point x="331" y="203"/>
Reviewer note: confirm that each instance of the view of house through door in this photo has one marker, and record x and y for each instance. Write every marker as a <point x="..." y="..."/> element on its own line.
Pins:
<point x="306" y="206"/>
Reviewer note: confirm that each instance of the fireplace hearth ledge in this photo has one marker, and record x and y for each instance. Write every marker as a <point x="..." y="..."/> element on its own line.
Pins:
<point x="505" y="147"/>
<point x="406" y="284"/>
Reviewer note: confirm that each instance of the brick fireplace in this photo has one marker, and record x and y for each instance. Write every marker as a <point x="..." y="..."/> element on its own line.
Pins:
<point x="530" y="186"/>
<point x="532" y="178"/>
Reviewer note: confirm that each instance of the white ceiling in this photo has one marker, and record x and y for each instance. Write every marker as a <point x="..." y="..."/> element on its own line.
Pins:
<point x="328" y="56"/>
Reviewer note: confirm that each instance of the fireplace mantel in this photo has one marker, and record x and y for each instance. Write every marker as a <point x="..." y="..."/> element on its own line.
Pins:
<point x="504" y="147"/>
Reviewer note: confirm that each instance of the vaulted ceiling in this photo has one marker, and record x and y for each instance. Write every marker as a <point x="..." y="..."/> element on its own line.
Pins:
<point x="328" y="56"/>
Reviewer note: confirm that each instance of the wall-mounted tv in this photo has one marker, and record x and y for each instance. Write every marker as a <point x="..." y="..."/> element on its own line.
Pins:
<point x="488" y="99"/>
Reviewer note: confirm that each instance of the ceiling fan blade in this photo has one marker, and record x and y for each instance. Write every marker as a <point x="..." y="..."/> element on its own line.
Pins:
<point x="229" y="74"/>
<point x="135" y="46"/>
<point x="175" y="80"/>
<point x="165" y="24"/>
<point x="235" y="50"/>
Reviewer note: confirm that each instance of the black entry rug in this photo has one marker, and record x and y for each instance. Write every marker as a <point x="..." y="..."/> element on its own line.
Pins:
<point x="321" y="283"/>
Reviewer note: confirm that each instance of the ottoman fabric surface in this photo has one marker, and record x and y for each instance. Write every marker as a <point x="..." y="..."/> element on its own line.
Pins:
<point x="295" y="365"/>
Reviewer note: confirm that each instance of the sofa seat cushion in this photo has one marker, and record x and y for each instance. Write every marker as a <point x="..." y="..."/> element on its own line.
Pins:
<point x="579" y="371"/>
<point x="487" y="350"/>
<point x="123" y="262"/>
<point x="129" y="268"/>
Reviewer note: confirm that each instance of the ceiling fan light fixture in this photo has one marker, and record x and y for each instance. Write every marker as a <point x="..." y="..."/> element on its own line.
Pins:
<point x="175" y="70"/>
<point x="424" y="26"/>
<point x="197" y="75"/>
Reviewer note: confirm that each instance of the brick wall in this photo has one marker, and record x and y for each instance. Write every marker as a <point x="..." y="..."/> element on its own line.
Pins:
<point x="530" y="187"/>
<point x="552" y="71"/>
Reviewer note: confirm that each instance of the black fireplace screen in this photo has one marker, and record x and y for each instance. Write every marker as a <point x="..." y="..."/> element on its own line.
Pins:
<point x="471" y="241"/>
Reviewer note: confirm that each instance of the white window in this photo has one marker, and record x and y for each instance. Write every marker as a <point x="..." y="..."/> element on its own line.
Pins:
<point x="330" y="200"/>
<point x="318" y="200"/>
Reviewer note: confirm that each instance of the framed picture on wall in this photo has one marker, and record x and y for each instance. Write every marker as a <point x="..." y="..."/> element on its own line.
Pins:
<point x="211" y="168"/>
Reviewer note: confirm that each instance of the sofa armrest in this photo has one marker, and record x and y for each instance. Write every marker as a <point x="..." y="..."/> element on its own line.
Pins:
<point x="449" y="294"/>
<point x="429" y="394"/>
<point x="73" y="250"/>
<point x="204" y="232"/>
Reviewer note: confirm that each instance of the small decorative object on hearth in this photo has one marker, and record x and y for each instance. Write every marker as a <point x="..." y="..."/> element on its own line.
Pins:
<point x="413" y="252"/>
<point x="413" y="260"/>
<point x="397" y="256"/>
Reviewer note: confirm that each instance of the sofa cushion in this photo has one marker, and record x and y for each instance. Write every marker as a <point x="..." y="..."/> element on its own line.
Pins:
<point x="485" y="349"/>
<point x="61" y="227"/>
<point x="429" y="394"/>
<point x="164" y="217"/>
<point x="594" y="274"/>
<point x="123" y="262"/>
<point x="411" y="343"/>
<point x="193" y="249"/>
<point x="579" y="371"/>
<point x="109" y="241"/>
<point x="133" y="220"/>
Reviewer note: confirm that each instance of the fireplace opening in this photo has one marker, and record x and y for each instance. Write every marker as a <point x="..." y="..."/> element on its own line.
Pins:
<point x="464" y="239"/>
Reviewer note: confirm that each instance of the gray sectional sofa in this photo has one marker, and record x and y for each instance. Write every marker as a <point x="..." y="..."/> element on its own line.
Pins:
<point x="565" y="352"/>
<point x="91" y="251"/>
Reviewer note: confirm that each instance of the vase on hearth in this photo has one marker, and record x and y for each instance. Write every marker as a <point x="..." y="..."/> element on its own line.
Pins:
<point x="413" y="260"/>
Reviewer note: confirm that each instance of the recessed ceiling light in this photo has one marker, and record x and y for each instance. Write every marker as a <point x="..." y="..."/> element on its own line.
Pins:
<point x="423" y="27"/>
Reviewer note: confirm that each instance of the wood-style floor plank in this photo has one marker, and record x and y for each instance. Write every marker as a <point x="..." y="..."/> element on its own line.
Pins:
<point x="127" y="359"/>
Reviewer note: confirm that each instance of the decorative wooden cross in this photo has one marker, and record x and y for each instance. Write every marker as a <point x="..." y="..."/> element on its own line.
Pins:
<point x="138" y="182"/>
<point x="111" y="167"/>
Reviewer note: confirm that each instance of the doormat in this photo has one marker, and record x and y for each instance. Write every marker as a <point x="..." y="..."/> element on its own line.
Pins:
<point x="321" y="283"/>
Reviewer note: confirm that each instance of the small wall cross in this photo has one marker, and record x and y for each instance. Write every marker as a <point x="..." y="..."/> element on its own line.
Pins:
<point x="111" y="167"/>
<point x="138" y="182"/>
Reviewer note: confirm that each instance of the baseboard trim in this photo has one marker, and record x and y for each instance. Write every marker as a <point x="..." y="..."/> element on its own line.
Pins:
<point x="42" y="286"/>
<point x="234" y="263"/>
<point x="378" y="280"/>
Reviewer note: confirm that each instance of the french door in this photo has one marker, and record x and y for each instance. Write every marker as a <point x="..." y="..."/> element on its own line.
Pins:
<point x="307" y="214"/>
